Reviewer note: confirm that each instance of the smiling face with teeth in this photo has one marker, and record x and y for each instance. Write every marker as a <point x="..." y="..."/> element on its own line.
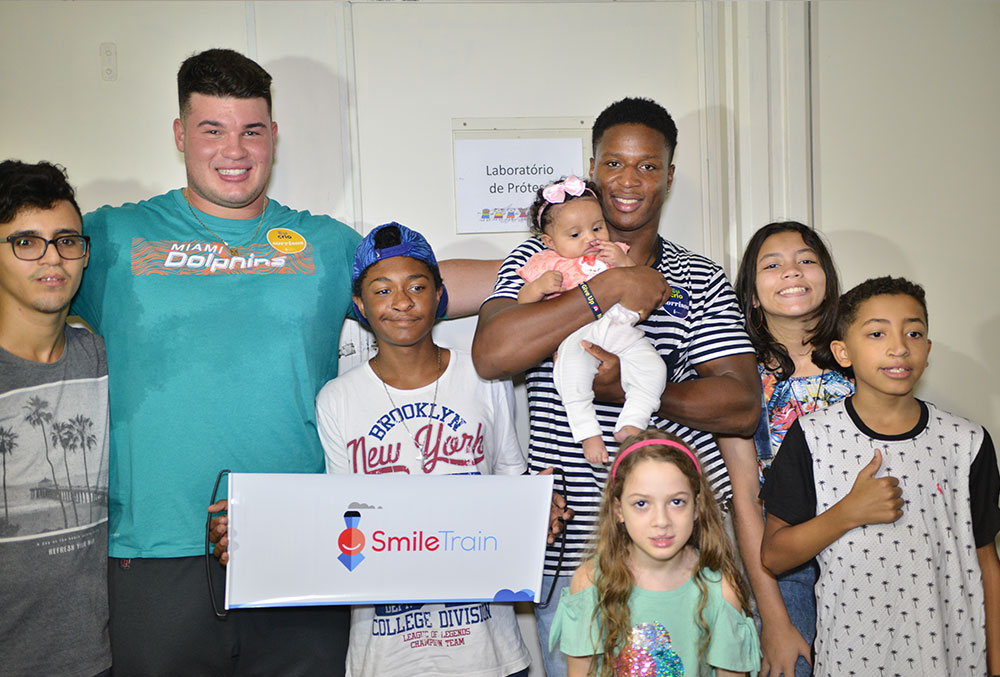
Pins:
<point x="228" y="147"/>
<point x="47" y="285"/>
<point x="631" y="166"/>
<point x="886" y="345"/>
<point x="790" y="282"/>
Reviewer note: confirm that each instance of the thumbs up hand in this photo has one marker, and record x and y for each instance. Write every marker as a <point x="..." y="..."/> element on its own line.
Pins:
<point x="874" y="500"/>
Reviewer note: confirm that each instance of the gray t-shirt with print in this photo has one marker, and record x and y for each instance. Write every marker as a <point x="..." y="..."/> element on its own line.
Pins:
<point x="54" y="517"/>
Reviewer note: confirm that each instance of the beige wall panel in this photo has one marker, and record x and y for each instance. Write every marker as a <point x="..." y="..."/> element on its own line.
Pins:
<point x="114" y="137"/>
<point x="906" y="147"/>
<point x="420" y="65"/>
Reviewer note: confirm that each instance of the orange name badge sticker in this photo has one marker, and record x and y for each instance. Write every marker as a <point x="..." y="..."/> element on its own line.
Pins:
<point x="286" y="240"/>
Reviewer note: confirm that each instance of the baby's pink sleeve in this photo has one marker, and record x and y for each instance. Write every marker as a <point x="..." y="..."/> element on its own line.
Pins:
<point x="539" y="263"/>
<point x="574" y="271"/>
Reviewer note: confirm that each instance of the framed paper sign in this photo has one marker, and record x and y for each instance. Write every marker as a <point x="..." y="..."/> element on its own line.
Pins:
<point x="359" y="539"/>
<point x="501" y="163"/>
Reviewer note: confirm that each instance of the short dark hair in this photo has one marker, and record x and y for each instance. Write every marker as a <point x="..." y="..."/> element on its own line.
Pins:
<point x="27" y="186"/>
<point x="223" y="73"/>
<point x="636" y="111"/>
<point x="876" y="286"/>
<point x="769" y="350"/>
<point x="538" y="228"/>
<point x="389" y="236"/>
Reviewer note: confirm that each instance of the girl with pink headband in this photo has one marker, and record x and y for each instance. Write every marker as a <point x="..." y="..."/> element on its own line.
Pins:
<point x="567" y="217"/>
<point x="662" y="594"/>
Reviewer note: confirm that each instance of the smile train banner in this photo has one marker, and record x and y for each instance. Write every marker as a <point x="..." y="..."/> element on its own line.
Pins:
<point x="356" y="539"/>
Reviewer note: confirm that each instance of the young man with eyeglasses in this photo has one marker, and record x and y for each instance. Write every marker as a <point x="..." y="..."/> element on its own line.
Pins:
<point x="53" y="437"/>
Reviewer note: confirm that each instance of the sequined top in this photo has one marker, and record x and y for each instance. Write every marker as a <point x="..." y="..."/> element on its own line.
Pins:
<point x="664" y="641"/>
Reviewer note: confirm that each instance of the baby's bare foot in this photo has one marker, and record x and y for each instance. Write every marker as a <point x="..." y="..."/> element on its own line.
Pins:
<point x="594" y="451"/>
<point x="626" y="432"/>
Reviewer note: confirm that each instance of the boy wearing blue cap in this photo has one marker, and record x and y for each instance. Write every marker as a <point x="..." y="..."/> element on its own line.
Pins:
<point x="418" y="408"/>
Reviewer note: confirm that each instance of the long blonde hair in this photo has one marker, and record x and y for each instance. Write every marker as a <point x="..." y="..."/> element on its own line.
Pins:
<point x="613" y="578"/>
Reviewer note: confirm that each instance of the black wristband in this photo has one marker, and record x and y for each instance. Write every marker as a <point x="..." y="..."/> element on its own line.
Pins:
<point x="591" y="301"/>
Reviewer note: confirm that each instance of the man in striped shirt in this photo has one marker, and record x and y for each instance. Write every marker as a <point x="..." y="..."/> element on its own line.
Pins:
<point x="689" y="314"/>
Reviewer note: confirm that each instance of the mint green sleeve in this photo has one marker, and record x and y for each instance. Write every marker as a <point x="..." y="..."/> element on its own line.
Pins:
<point x="733" y="644"/>
<point x="572" y="628"/>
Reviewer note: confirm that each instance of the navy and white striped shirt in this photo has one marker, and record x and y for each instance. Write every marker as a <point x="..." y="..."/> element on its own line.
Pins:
<point x="701" y="322"/>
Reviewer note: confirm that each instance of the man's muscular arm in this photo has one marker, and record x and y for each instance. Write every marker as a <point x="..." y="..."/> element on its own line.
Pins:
<point x="725" y="399"/>
<point x="512" y="337"/>
<point x="469" y="282"/>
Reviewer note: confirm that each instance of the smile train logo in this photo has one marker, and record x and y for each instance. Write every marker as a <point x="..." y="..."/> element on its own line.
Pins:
<point x="351" y="541"/>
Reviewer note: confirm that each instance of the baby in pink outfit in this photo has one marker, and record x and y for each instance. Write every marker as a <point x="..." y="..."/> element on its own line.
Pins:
<point x="567" y="217"/>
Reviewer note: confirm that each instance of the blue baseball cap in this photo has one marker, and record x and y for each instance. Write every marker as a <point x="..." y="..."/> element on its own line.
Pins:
<point x="412" y="244"/>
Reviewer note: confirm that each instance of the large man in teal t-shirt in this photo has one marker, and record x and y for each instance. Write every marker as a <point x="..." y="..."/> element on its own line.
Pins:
<point x="222" y="311"/>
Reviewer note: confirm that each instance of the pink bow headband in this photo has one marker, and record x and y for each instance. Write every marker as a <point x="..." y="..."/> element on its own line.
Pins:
<point x="645" y="443"/>
<point x="555" y="193"/>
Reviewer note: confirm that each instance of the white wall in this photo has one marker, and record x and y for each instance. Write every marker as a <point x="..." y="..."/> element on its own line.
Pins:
<point x="906" y="155"/>
<point x="115" y="137"/>
<point x="420" y="65"/>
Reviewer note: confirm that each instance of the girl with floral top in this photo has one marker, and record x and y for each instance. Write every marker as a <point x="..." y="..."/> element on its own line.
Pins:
<point x="788" y="288"/>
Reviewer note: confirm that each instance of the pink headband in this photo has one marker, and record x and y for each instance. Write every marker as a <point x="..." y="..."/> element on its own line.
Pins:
<point x="555" y="193"/>
<point x="646" y="443"/>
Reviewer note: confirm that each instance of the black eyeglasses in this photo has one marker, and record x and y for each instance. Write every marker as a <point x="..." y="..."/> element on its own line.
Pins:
<point x="33" y="247"/>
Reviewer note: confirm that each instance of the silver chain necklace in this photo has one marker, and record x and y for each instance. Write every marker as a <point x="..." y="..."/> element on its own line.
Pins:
<point x="420" y="452"/>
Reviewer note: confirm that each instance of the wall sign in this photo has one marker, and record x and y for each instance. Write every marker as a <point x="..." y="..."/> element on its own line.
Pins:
<point x="500" y="164"/>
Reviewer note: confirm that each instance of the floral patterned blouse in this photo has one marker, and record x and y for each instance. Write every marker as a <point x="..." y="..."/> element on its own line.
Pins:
<point x="785" y="401"/>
